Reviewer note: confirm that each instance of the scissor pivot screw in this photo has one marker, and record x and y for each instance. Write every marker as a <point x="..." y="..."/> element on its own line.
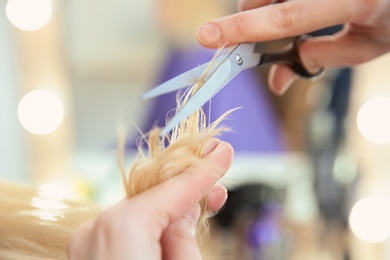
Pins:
<point x="239" y="59"/>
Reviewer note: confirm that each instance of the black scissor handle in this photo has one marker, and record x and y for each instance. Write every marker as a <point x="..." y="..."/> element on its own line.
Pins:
<point x="290" y="57"/>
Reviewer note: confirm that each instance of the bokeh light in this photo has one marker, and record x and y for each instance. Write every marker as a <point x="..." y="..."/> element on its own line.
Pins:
<point x="50" y="201"/>
<point x="369" y="219"/>
<point x="345" y="169"/>
<point x="373" y="120"/>
<point x="40" y="112"/>
<point x="29" y="15"/>
<point x="62" y="190"/>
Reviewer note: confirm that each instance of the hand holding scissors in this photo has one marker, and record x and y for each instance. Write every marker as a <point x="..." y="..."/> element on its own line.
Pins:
<point x="241" y="57"/>
<point x="366" y="33"/>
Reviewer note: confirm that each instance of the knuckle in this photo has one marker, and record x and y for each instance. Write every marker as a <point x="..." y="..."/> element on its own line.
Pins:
<point x="285" y="16"/>
<point x="112" y="221"/>
<point x="366" y="10"/>
<point x="240" y="28"/>
<point x="362" y="57"/>
<point x="357" y="59"/>
<point x="370" y="54"/>
<point x="104" y="223"/>
<point x="183" y="235"/>
<point x="369" y="48"/>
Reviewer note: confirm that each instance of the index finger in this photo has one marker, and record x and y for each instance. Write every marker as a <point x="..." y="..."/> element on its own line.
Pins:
<point x="176" y="197"/>
<point x="278" y="21"/>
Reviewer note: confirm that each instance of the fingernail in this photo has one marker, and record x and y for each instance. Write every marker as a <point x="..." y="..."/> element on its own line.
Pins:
<point x="286" y="86"/>
<point x="218" y="191"/>
<point x="210" y="146"/>
<point x="209" y="34"/>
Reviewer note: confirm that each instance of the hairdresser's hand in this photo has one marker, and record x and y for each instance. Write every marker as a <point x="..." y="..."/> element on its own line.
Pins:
<point x="158" y="223"/>
<point x="366" y="34"/>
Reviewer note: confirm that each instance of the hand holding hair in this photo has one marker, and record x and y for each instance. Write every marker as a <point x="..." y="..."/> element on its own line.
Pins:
<point x="159" y="222"/>
<point x="366" y="33"/>
<point x="169" y="194"/>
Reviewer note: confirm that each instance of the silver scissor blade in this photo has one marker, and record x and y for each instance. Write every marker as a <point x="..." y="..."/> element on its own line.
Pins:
<point x="211" y="87"/>
<point x="183" y="80"/>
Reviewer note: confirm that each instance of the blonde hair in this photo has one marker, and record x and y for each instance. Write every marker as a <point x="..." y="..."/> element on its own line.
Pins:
<point x="172" y="154"/>
<point x="35" y="226"/>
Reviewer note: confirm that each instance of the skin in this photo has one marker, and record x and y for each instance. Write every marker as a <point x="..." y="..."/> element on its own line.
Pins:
<point x="146" y="226"/>
<point x="366" y="34"/>
<point x="160" y="222"/>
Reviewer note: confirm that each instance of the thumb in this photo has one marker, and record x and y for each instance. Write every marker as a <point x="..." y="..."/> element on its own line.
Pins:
<point x="178" y="240"/>
<point x="339" y="50"/>
<point x="342" y="49"/>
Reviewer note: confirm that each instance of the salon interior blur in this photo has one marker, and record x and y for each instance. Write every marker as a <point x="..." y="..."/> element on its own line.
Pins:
<point x="311" y="173"/>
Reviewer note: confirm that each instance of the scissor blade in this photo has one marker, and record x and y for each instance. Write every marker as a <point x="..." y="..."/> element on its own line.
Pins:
<point x="242" y="57"/>
<point x="227" y="67"/>
<point x="204" y="94"/>
<point x="183" y="80"/>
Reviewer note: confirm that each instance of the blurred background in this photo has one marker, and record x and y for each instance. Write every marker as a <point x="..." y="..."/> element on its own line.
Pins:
<point x="310" y="178"/>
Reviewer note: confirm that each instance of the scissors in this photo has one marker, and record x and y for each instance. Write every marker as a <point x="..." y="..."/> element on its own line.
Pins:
<point x="228" y="66"/>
